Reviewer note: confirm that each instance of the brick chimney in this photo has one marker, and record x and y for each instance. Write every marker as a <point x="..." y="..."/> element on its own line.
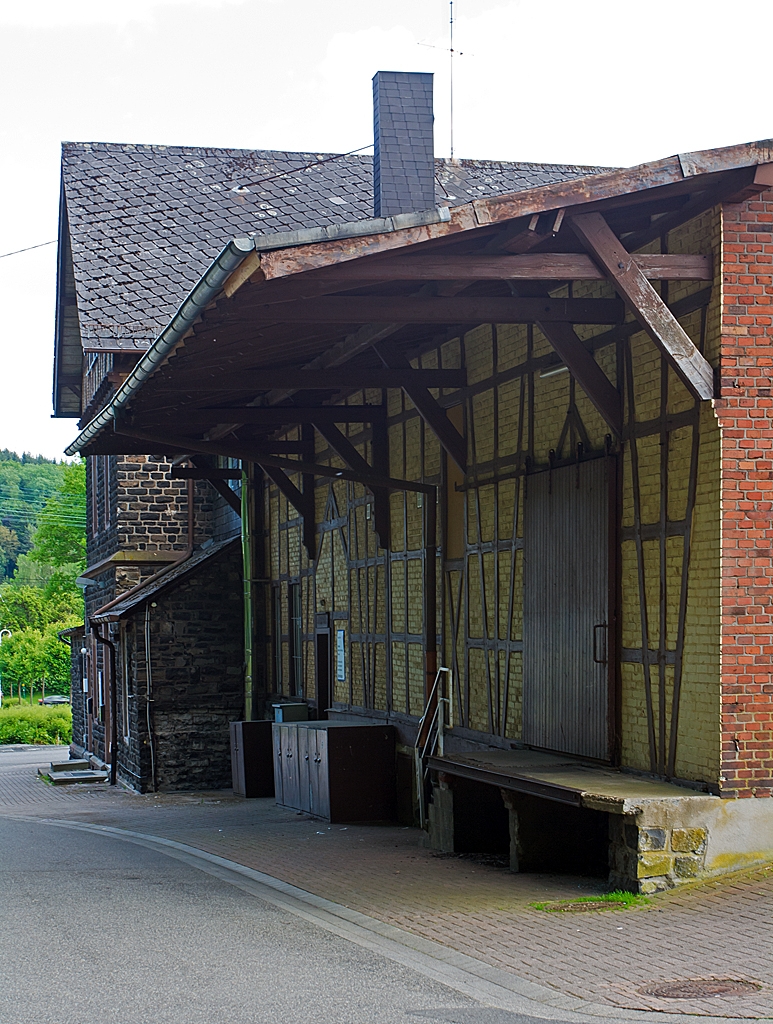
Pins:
<point x="403" y="154"/>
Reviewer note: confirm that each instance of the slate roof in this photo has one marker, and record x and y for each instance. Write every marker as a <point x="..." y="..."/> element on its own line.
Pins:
<point x="146" y="221"/>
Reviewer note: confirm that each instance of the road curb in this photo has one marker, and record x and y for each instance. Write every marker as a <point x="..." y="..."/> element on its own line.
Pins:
<point x="473" y="978"/>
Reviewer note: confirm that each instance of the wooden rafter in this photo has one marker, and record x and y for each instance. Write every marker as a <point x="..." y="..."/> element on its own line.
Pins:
<point x="341" y="352"/>
<point x="645" y="303"/>
<point x="297" y="499"/>
<point x="217" y="478"/>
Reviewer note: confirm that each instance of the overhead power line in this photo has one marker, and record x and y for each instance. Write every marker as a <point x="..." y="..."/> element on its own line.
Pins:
<point x="28" y="249"/>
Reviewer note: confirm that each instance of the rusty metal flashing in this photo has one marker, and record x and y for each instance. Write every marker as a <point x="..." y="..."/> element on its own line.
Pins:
<point x="357" y="229"/>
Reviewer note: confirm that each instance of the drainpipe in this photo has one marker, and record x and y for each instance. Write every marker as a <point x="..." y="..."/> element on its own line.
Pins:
<point x="249" y="604"/>
<point x="113" y="702"/>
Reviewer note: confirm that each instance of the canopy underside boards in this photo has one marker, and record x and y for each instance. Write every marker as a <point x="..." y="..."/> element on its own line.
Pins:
<point x="356" y="322"/>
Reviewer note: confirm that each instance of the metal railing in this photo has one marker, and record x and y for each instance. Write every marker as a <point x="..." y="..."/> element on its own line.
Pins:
<point x="430" y="736"/>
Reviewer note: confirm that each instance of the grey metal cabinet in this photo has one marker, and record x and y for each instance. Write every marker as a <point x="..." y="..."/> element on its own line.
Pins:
<point x="339" y="771"/>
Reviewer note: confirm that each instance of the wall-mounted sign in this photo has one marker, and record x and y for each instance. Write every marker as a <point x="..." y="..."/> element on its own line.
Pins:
<point x="340" y="655"/>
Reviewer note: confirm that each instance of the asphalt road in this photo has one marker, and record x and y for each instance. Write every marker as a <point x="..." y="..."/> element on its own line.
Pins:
<point x="96" y="930"/>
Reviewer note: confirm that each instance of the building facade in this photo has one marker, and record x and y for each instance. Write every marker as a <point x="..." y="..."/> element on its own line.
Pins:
<point x="519" y="436"/>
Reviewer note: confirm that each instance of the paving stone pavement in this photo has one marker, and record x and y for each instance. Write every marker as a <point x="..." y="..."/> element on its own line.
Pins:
<point x="720" y="929"/>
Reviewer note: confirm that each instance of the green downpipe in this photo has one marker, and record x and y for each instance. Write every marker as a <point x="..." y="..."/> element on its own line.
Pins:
<point x="249" y="603"/>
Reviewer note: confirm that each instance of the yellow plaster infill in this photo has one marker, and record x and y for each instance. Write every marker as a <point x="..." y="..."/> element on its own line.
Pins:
<point x="563" y="779"/>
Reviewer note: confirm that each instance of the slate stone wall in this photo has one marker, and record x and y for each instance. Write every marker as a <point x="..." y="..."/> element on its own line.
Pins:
<point x="196" y="681"/>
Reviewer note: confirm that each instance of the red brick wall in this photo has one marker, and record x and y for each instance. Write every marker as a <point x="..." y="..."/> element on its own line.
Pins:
<point x="744" y="412"/>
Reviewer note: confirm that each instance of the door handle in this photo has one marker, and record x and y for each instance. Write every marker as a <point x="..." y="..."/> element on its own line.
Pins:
<point x="603" y="659"/>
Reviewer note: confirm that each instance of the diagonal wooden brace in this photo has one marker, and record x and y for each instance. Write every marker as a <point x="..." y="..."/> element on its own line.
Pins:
<point x="302" y="503"/>
<point x="341" y="444"/>
<point x="645" y="303"/>
<point x="433" y="414"/>
<point x="586" y="372"/>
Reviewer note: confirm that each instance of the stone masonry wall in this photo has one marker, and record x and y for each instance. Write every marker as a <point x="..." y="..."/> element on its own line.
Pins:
<point x="196" y="680"/>
<point x="744" y="414"/>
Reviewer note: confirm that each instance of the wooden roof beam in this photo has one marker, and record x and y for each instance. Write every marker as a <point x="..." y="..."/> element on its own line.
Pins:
<point x="430" y="309"/>
<point x="351" y="377"/>
<point x="479" y="267"/>
<point x="279" y="415"/>
<point x="645" y="303"/>
<point x="251" y="452"/>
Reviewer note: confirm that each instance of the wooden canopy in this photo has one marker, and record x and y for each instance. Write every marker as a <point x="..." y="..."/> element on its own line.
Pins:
<point x="297" y="328"/>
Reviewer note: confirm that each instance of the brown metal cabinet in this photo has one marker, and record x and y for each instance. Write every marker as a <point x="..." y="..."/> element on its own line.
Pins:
<point x="339" y="771"/>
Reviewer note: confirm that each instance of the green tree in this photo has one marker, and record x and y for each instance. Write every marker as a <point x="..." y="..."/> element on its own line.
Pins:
<point x="10" y="547"/>
<point x="60" y="539"/>
<point x="33" y="657"/>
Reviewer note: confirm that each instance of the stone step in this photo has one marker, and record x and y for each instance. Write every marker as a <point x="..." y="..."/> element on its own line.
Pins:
<point x="69" y="766"/>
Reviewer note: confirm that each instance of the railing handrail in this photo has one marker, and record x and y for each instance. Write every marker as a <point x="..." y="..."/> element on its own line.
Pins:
<point x="429" y="737"/>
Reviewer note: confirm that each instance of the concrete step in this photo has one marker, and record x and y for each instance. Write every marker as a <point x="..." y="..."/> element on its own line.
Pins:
<point x="69" y="766"/>
<point x="63" y="778"/>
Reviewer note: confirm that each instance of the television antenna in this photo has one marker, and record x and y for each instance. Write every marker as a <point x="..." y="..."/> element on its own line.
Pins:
<point x="452" y="53"/>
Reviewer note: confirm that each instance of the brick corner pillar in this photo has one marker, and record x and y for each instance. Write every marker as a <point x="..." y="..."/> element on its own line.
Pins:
<point x="745" y="414"/>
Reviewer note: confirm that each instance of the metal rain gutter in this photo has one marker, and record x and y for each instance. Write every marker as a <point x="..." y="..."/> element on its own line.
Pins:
<point x="211" y="283"/>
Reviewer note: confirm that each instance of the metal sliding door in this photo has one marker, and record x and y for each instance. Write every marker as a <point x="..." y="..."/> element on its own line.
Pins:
<point x="566" y="613"/>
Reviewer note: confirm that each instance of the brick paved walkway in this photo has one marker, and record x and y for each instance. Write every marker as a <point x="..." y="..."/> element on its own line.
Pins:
<point x="712" y="930"/>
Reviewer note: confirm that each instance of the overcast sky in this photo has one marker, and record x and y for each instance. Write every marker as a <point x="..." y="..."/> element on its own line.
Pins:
<point x="611" y="82"/>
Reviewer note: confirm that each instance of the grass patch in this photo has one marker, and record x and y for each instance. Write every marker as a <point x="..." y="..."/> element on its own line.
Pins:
<point x="618" y="900"/>
<point x="36" y="724"/>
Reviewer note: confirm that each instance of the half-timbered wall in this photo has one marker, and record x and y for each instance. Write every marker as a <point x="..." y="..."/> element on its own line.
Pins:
<point x="521" y="417"/>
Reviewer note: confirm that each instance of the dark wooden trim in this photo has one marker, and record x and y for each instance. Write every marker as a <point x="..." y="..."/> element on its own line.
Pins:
<point x="185" y="473"/>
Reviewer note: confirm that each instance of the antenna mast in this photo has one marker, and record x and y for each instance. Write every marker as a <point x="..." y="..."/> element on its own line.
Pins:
<point x="451" y="27"/>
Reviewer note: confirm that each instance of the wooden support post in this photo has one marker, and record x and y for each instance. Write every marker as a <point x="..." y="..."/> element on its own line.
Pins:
<point x="309" y="511"/>
<point x="645" y="303"/>
<point x="381" y="512"/>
